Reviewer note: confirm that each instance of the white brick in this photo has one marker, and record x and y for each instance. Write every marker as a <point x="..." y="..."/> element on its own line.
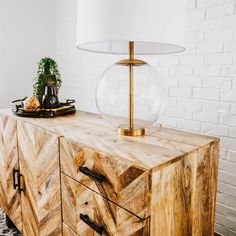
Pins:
<point x="217" y="83"/>
<point x="222" y="230"/>
<point x="206" y="117"/>
<point x="230" y="46"/>
<point x="227" y="119"/>
<point x="230" y="21"/>
<point x="181" y="92"/>
<point x="187" y="81"/>
<point x="208" y="70"/>
<point x="215" y="107"/>
<point x="199" y="26"/>
<point x="229" y="71"/>
<point x="189" y="125"/>
<point x="171" y="81"/>
<point x="196" y="15"/>
<point x="179" y="113"/>
<point x="168" y="60"/>
<point x="163" y="70"/>
<point x="191" y="60"/>
<point x="234" y="84"/>
<point x="231" y="156"/>
<point x="219" y="59"/>
<point x="227" y="188"/>
<point x="226" y="210"/>
<point x="181" y="70"/>
<point x="204" y="3"/>
<point x="220" y="10"/>
<point x="233" y="109"/>
<point x="227" y="166"/>
<point x="226" y="199"/>
<point x="171" y="103"/>
<point x="192" y="36"/>
<point x="228" y="95"/>
<point x="228" y="143"/>
<point x="209" y="94"/>
<point x="232" y="133"/>
<point x="214" y="23"/>
<point x="219" y="35"/>
<point x="216" y="130"/>
<point x="209" y="47"/>
<point x="189" y="104"/>
<point x="223" y="154"/>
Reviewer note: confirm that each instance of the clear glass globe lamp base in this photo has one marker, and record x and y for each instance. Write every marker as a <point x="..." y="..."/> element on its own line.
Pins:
<point x="130" y="96"/>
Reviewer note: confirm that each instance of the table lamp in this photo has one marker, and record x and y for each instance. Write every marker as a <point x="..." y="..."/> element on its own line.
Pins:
<point x="130" y="92"/>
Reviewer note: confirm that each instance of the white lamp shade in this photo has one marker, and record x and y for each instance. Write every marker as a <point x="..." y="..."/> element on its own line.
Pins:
<point x="156" y="26"/>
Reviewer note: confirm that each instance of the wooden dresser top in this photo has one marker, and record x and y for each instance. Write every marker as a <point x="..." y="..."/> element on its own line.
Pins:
<point x="158" y="148"/>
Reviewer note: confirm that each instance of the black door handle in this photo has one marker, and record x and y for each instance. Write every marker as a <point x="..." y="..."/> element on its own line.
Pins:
<point x="15" y="185"/>
<point x="18" y="179"/>
<point x="94" y="226"/>
<point x="91" y="174"/>
<point x="19" y="182"/>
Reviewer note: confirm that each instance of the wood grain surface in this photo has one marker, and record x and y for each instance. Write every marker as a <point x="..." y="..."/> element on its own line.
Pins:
<point x="78" y="199"/>
<point x="39" y="162"/>
<point x="9" y="197"/>
<point x="183" y="195"/>
<point x="160" y="147"/>
<point x="67" y="231"/>
<point x="124" y="183"/>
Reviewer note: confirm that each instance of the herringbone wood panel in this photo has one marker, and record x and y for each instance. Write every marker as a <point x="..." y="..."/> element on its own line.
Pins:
<point x="9" y="198"/>
<point x="39" y="162"/>
<point x="78" y="199"/>
<point x="125" y="184"/>
<point x="67" y="231"/>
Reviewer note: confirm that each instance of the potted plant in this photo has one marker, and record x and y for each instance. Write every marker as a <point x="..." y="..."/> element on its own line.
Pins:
<point x="47" y="73"/>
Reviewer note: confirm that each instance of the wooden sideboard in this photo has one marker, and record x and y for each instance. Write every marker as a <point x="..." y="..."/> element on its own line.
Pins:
<point x="75" y="176"/>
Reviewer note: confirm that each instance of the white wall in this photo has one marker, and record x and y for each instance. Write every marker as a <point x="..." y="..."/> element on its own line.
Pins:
<point x="201" y="83"/>
<point x="27" y="33"/>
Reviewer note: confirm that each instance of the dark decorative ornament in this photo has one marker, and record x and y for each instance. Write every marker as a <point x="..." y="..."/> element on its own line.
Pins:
<point x="50" y="98"/>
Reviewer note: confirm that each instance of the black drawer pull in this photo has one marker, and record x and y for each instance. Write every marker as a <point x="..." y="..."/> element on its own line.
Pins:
<point x="19" y="182"/>
<point x="94" y="226"/>
<point x="91" y="174"/>
<point x="15" y="185"/>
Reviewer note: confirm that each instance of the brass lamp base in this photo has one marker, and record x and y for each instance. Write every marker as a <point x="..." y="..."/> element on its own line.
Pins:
<point x="125" y="130"/>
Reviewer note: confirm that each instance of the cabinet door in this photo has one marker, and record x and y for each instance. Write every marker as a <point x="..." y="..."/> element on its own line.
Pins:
<point x="89" y="214"/>
<point x="9" y="197"/>
<point x="39" y="164"/>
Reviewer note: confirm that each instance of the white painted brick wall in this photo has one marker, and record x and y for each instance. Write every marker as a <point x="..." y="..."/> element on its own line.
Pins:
<point x="201" y="84"/>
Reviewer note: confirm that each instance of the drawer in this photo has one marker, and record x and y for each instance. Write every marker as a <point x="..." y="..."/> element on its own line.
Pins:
<point x="117" y="179"/>
<point x="88" y="213"/>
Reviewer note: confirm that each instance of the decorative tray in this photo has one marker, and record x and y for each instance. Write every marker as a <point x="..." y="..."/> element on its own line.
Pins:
<point x="64" y="108"/>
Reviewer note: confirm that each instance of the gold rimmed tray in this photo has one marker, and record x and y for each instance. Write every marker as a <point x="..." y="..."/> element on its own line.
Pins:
<point x="66" y="108"/>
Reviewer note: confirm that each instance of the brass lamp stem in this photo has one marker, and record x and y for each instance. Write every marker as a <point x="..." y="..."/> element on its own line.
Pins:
<point x="131" y="129"/>
<point x="131" y="96"/>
